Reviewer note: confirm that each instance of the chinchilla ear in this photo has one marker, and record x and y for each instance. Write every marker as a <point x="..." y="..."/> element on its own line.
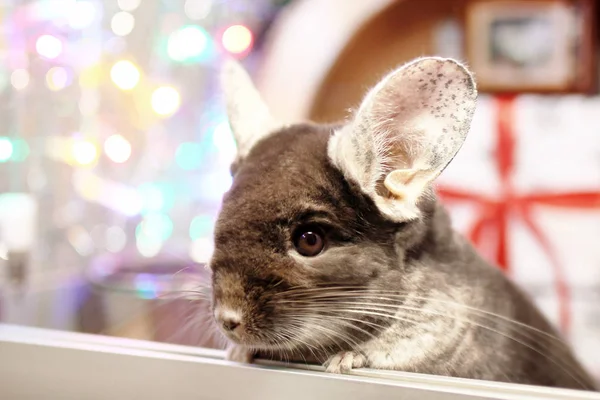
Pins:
<point x="406" y="131"/>
<point x="249" y="116"/>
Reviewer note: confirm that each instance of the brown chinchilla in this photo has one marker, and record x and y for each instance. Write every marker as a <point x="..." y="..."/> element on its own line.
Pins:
<point x="331" y="247"/>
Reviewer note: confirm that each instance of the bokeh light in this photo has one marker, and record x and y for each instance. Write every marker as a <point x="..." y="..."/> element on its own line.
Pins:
<point x="19" y="79"/>
<point x="125" y="75"/>
<point x="165" y="100"/>
<point x="116" y="239"/>
<point x="190" y="43"/>
<point x="122" y="23"/>
<point x="189" y="155"/>
<point x="148" y="247"/>
<point x="49" y="46"/>
<point x="6" y="149"/>
<point x="117" y="148"/>
<point x="157" y="226"/>
<point x="156" y="197"/>
<point x="237" y="39"/>
<point x="197" y="9"/>
<point x="201" y="250"/>
<point x="128" y="5"/>
<point x="20" y="150"/>
<point x="84" y="152"/>
<point x="201" y="226"/>
<point x="82" y="14"/>
<point x="57" y="78"/>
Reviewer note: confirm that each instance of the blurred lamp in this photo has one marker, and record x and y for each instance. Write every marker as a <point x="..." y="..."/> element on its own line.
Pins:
<point x="117" y="148"/>
<point x="189" y="43"/>
<point x="122" y="23"/>
<point x="6" y="149"/>
<point x="125" y="75"/>
<point x="165" y="100"/>
<point x="237" y="39"/>
<point x="49" y="46"/>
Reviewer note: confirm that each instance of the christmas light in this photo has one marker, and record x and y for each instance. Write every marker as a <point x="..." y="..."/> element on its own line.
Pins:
<point x="201" y="250"/>
<point x="190" y="43"/>
<point x="49" y="46"/>
<point x="201" y="226"/>
<point x="57" y="78"/>
<point x="237" y="39"/>
<point x="122" y="23"/>
<point x="117" y="148"/>
<point x="128" y="5"/>
<point x="157" y="226"/>
<point x="165" y="100"/>
<point x="6" y="149"/>
<point x="188" y="155"/>
<point x="82" y="14"/>
<point x="116" y="239"/>
<point x="156" y="197"/>
<point x="197" y="9"/>
<point x="20" y="150"/>
<point x="148" y="247"/>
<point x="125" y="75"/>
<point x="19" y="79"/>
<point x="84" y="152"/>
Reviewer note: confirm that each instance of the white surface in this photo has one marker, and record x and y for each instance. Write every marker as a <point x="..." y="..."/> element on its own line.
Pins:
<point x="42" y="364"/>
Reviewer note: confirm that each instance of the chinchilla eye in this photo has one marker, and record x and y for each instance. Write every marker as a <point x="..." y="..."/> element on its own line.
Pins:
<point x="309" y="242"/>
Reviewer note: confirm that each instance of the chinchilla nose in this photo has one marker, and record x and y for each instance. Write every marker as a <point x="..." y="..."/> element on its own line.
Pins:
<point x="229" y="319"/>
<point x="230" y="324"/>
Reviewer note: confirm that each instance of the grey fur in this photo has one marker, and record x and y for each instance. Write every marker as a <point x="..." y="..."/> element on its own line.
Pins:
<point x="430" y="277"/>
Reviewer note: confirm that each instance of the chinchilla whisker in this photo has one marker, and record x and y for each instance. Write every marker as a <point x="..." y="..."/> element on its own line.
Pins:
<point x="394" y="296"/>
<point x="301" y="322"/>
<point x="331" y="308"/>
<point x="315" y="323"/>
<point x="290" y="337"/>
<point x="348" y="322"/>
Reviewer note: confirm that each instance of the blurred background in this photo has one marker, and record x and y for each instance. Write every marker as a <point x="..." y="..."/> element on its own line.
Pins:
<point x="115" y="149"/>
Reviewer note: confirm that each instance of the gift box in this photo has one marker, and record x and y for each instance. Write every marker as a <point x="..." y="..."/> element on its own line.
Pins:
<point x="525" y="188"/>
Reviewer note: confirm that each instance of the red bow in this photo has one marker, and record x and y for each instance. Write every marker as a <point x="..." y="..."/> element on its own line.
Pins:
<point x="496" y="212"/>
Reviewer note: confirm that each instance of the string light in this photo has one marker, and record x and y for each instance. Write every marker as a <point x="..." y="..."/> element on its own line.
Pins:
<point x="125" y="75"/>
<point x="116" y="239"/>
<point x="122" y="23"/>
<point x="49" y="46"/>
<point x="19" y="79"/>
<point x="237" y="39"/>
<point x="84" y="152"/>
<point x="57" y="78"/>
<point x="20" y="150"/>
<point x="128" y="5"/>
<point x="6" y="149"/>
<point x="188" y="155"/>
<point x="197" y="9"/>
<point x="190" y="43"/>
<point x="82" y="14"/>
<point x="201" y="250"/>
<point x="117" y="148"/>
<point x="201" y="226"/>
<point x="165" y="100"/>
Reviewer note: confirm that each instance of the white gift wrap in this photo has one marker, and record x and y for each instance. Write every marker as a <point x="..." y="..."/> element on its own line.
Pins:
<point x="557" y="150"/>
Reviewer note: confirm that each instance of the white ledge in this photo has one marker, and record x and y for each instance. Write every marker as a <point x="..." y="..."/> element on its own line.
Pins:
<point x="46" y="364"/>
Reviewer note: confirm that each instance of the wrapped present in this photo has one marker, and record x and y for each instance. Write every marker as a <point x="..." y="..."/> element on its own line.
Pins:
<point x="525" y="189"/>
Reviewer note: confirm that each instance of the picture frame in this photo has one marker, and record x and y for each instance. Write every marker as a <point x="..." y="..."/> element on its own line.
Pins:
<point x="534" y="46"/>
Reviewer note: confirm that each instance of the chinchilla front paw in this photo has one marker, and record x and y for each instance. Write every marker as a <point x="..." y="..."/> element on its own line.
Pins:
<point x="344" y="361"/>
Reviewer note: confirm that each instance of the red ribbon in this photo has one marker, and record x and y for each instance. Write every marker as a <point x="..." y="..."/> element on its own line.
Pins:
<point x="495" y="213"/>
